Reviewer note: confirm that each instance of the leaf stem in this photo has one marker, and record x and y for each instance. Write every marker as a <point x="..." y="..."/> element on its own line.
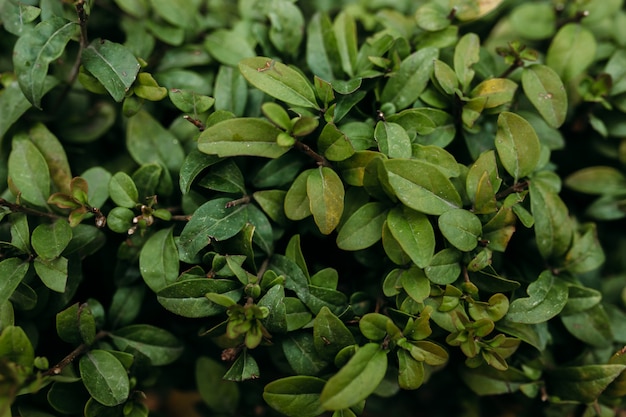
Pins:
<point x="17" y="208"/>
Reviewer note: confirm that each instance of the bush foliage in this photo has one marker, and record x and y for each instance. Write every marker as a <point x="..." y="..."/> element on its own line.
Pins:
<point x="272" y="207"/>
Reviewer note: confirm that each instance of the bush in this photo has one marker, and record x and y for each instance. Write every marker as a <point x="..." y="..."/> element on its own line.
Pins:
<point x="346" y="208"/>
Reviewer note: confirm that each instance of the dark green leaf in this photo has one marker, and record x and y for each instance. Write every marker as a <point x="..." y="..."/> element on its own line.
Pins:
<point x="125" y="305"/>
<point x="158" y="345"/>
<point x="35" y="50"/>
<point x="517" y="145"/>
<point x="330" y="335"/>
<point x="76" y="324"/>
<point x="221" y="396"/>
<point x="363" y="228"/>
<point x="546" y="298"/>
<point x="276" y="321"/>
<point x="13" y="270"/>
<point x="113" y="65"/>
<point x="486" y="380"/>
<point x="52" y="272"/>
<point x="325" y="193"/>
<point x="597" y="180"/>
<point x="187" y="298"/>
<point x="411" y="79"/>
<point x="104" y="377"/>
<point x="244" y="368"/>
<point x="49" y="240"/>
<point x="149" y="142"/>
<point x="29" y="171"/>
<point x="582" y="384"/>
<point x="357" y="379"/>
<point x="461" y="228"/>
<point x="300" y="352"/>
<point x="295" y="396"/>
<point x="591" y="326"/>
<point x="410" y="371"/>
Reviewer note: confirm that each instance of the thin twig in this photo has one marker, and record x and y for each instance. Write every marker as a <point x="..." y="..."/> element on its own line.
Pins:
<point x="515" y="188"/>
<point x="306" y="149"/>
<point x="17" y="208"/>
<point x="82" y="348"/>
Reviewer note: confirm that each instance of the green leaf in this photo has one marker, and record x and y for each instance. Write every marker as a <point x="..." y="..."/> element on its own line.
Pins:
<point x="553" y="228"/>
<point x="592" y="326"/>
<point x="29" y="171"/>
<point x="586" y="253"/>
<point x="126" y="304"/>
<point x="357" y="379"/>
<point x="228" y="46"/>
<point x="158" y="345"/>
<point x="245" y="136"/>
<point x="461" y="228"/>
<point x="49" y="240"/>
<point x="76" y="324"/>
<point x="546" y="298"/>
<point x="123" y="190"/>
<point x="187" y="298"/>
<point x="363" y="228"/>
<point x="279" y="81"/>
<point x="13" y="270"/>
<point x="179" y="13"/>
<point x="330" y="335"/>
<point x="286" y="29"/>
<point x="54" y="154"/>
<point x="486" y="380"/>
<point x="17" y="18"/>
<point x="16" y="347"/>
<point x="517" y="145"/>
<point x="432" y="17"/>
<point x="569" y="62"/>
<point x="276" y="321"/>
<point x="410" y="371"/>
<point x="225" y="176"/>
<point x="113" y="64"/>
<point x="104" y="377"/>
<point x="534" y="21"/>
<point x="546" y="92"/>
<point x="211" y="221"/>
<point x="297" y="205"/>
<point x="495" y="91"/>
<point x="445" y="267"/>
<point x="189" y="101"/>
<point x="195" y="162"/>
<point x="334" y="144"/>
<point x="325" y="192"/>
<point x="244" y="368"/>
<point x="221" y="396"/>
<point x="53" y="272"/>
<point x="300" y="352"/>
<point x="322" y="55"/>
<point x="445" y="78"/>
<point x="411" y="79"/>
<point x="582" y="384"/>
<point x="148" y="142"/>
<point x="597" y="180"/>
<point x="344" y="28"/>
<point x="393" y="140"/>
<point x="158" y="260"/>
<point x="35" y="50"/>
<point x="466" y="54"/>
<point x="414" y="233"/>
<point x="421" y="186"/>
<point x="415" y="283"/>
<point x="295" y="396"/>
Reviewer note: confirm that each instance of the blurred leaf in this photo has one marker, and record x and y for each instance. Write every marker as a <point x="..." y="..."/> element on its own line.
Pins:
<point x="581" y="384"/>
<point x="113" y="65"/>
<point x="13" y="270"/>
<point x="295" y="396"/>
<point x="158" y="345"/>
<point x="228" y="47"/>
<point x="546" y="298"/>
<point x="35" y="50"/>
<point x="104" y="377"/>
<point x="592" y="326"/>
<point x="344" y="28"/>
<point x="486" y="380"/>
<point x="566" y="61"/>
<point x="534" y="21"/>
<point x="287" y="27"/>
<point x="16" y="347"/>
<point x="597" y="180"/>
<point x="177" y="12"/>
<point x="148" y="141"/>
<point x="221" y="396"/>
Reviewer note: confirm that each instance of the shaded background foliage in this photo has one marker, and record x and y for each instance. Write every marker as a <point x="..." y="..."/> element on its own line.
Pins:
<point x="308" y="205"/>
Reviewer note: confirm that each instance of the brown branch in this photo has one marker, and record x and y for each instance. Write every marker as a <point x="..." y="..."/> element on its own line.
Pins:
<point x="306" y="149"/>
<point x="243" y="200"/>
<point x="515" y="188"/>
<point x="82" y="348"/>
<point x="17" y="208"/>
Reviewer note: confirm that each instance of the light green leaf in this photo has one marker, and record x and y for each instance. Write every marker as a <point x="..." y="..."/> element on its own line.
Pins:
<point x="517" y="145"/>
<point x="189" y="101"/>
<point x="245" y="136"/>
<point x="53" y="272"/>
<point x="411" y="78"/>
<point x="113" y="65"/>
<point x="546" y="92"/>
<point x="466" y="54"/>
<point x="357" y="379"/>
<point x="569" y="62"/>
<point x="104" y="377"/>
<point x="393" y="140"/>
<point x="279" y="81"/>
<point x="228" y="46"/>
<point x="410" y="371"/>
<point x="35" y="50"/>
<point x="421" y="186"/>
<point x="158" y="260"/>
<point x="123" y="190"/>
<point x="363" y="228"/>
<point x="414" y="233"/>
<point x="344" y="28"/>
<point x="444" y="267"/>
<point x="49" y="240"/>
<point x="546" y="298"/>
<point x="29" y="171"/>
<point x="297" y="205"/>
<point x="16" y="347"/>
<point x="461" y="228"/>
<point x="295" y="396"/>
<point x="325" y="192"/>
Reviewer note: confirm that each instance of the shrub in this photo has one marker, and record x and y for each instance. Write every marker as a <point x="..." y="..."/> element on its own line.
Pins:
<point x="312" y="207"/>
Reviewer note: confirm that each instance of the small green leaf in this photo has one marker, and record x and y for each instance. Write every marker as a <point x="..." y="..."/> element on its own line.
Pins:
<point x="582" y="384"/>
<point x="297" y="205"/>
<point x="245" y="136"/>
<point x="158" y="345"/>
<point x="279" y="81"/>
<point x="158" y="260"/>
<point x="16" y="347"/>
<point x="35" y="50"/>
<point x="13" y="270"/>
<point x="299" y="350"/>
<point x="421" y="186"/>
<point x="76" y="324"/>
<point x="330" y="335"/>
<point x="17" y="17"/>
<point x="29" y="171"/>
<point x="295" y="396"/>
<point x="432" y="17"/>
<point x="113" y="64"/>
<point x="344" y="28"/>
<point x="546" y="92"/>
<point x="52" y="272"/>
<point x="411" y="78"/>
<point x="414" y="233"/>
<point x="496" y="92"/>
<point x="517" y="145"/>
<point x="445" y="78"/>
<point x="415" y="283"/>
<point x="187" y="298"/>
<point x="393" y="140"/>
<point x="276" y="321"/>
<point x="286" y="29"/>
<point x="569" y="62"/>
<point x="334" y="144"/>
<point x="410" y="371"/>
<point x="461" y="228"/>
<point x="123" y="190"/>
<point x="189" y="101"/>
<point x="325" y="192"/>
<point x="211" y="221"/>
<point x="586" y="253"/>
<point x="104" y="377"/>
<point x="277" y="115"/>
<point x="534" y="21"/>
<point x="244" y="368"/>
<point x="466" y="54"/>
<point x="546" y="298"/>
<point x="363" y="228"/>
<point x="49" y="240"/>
<point x="148" y="142"/>
<point x="175" y="12"/>
<point x="357" y="379"/>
